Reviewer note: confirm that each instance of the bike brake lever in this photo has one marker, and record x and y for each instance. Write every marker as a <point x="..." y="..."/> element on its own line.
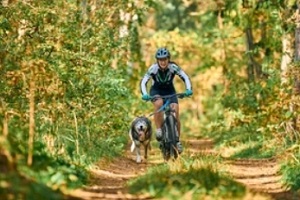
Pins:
<point x="181" y="96"/>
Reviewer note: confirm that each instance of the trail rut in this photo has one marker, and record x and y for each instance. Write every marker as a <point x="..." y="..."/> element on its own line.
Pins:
<point x="259" y="176"/>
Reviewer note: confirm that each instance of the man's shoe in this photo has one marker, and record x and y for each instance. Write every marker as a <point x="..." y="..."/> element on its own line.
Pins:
<point x="158" y="134"/>
<point x="160" y="145"/>
<point x="179" y="147"/>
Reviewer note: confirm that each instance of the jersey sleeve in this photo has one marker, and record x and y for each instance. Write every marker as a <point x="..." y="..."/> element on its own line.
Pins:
<point x="184" y="77"/>
<point x="144" y="81"/>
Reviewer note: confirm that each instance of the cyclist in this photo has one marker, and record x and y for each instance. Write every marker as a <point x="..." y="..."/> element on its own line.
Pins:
<point x="162" y="73"/>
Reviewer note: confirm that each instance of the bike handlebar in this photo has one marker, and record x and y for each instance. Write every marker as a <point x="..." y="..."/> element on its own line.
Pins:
<point x="179" y="95"/>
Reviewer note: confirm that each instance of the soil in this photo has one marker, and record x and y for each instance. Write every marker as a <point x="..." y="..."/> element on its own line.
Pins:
<point x="108" y="181"/>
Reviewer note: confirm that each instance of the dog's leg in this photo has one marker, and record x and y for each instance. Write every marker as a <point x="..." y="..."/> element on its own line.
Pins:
<point x="138" y="154"/>
<point x="146" y="151"/>
<point x="146" y="146"/>
<point x="137" y="145"/>
<point x="132" y="142"/>
<point x="132" y="147"/>
<point x="150" y="147"/>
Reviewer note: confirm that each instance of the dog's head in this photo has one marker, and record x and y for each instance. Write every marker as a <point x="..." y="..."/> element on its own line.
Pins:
<point x="141" y="128"/>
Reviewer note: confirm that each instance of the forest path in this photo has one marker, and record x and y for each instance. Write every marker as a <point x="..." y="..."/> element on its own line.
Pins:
<point x="108" y="181"/>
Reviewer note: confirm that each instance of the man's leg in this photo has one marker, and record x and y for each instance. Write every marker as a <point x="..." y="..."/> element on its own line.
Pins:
<point x="158" y="118"/>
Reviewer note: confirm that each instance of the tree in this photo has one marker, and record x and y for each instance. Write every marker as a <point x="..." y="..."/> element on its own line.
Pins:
<point x="64" y="92"/>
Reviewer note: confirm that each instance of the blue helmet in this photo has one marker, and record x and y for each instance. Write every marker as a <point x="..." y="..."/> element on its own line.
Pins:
<point x="162" y="53"/>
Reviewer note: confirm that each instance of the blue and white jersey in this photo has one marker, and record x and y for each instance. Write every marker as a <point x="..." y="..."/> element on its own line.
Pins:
<point x="163" y="79"/>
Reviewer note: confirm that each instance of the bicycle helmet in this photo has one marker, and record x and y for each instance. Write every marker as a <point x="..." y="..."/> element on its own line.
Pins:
<point x="162" y="53"/>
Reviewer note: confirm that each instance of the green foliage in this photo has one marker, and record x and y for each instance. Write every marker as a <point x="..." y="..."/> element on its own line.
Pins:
<point x="15" y="186"/>
<point x="78" y="61"/>
<point x="240" y="112"/>
<point x="84" y="71"/>
<point x="57" y="175"/>
<point x="291" y="173"/>
<point x="247" y="118"/>
<point x="255" y="151"/>
<point x="162" y="181"/>
<point x="55" y="172"/>
<point x="242" y="134"/>
<point x="45" y="179"/>
<point x="180" y="19"/>
<point x="253" y="96"/>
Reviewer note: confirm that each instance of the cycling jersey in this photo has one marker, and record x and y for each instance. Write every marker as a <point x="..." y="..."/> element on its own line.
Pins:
<point x="162" y="80"/>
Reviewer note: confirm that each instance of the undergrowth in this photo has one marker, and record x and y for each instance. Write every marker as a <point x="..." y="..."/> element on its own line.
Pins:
<point x="194" y="178"/>
<point x="16" y="186"/>
<point x="253" y="120"/>
<point x="291" y="170"/>
<point x="47" y="178"/>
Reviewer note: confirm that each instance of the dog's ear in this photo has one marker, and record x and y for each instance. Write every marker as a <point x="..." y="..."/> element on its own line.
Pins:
<point x="149" y="126"/>
<point x="134" y="121"/>
<point x="149" y="121"/>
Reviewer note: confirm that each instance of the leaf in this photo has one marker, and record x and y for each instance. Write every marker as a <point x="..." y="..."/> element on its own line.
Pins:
<point x="58" y="177"/>
<point x="288" y="114"/>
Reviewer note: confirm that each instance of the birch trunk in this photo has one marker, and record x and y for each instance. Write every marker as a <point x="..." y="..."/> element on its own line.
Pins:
<point x="31" y="119"/>
<point x="286" y="57"/>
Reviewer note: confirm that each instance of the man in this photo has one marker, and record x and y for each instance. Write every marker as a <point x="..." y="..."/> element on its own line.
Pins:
<point x="162" y="73"/>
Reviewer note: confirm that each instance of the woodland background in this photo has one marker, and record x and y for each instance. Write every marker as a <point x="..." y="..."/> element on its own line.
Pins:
<point x="70" y="82"/>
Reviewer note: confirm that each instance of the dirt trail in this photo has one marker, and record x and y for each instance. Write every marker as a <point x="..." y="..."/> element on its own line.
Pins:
<point x="109" y="180"/>
<point x="261" y="176"/>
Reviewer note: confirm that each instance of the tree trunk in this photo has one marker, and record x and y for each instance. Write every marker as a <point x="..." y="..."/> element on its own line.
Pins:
<point x="286" y="57"/>
<point x="3" y="141"/>
<point x="296" y="87"/>
<point x="254" y="69"/>
<point x="31" y="118"/>
<point x="297" y="37"/>
<point x="249" y="50"/>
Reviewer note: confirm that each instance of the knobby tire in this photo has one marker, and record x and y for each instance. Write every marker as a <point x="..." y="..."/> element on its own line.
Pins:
<point x="170" y="138"/>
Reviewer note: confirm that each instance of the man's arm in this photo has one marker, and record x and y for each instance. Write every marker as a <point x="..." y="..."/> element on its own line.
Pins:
<point x="143" y="83"/>
<point x="184" y="77"/>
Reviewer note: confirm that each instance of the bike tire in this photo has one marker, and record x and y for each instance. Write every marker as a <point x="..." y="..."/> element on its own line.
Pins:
<point x="170" y="137"/>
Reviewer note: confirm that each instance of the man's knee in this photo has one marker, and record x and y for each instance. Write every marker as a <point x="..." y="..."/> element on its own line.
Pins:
<point x="158" y="103"/>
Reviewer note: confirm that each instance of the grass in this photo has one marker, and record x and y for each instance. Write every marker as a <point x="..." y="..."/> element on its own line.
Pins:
<point x="243" y="141"/>
<point x="291" y="169"/>
<point x="255" y="151"/>
<point x="193" y="178"/>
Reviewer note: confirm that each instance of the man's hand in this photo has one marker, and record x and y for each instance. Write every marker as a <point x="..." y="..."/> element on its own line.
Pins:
<point x="146" y="97"/>
<point x="188" y="93"/>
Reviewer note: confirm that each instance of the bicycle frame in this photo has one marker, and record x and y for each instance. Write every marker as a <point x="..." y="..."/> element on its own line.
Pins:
<point x="169" y="129"/>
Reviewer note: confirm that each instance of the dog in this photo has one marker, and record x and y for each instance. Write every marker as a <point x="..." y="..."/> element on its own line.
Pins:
<point x="140" y="134"/>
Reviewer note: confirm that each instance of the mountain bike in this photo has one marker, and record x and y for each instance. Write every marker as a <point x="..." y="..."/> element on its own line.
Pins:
<point x="170" y="135"/>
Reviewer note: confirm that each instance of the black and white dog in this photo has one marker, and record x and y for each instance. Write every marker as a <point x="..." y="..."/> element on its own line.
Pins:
<point x="140" y="134"/>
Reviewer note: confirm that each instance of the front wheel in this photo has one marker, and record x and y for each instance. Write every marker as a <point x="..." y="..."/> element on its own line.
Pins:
<point x="170" y="138"/>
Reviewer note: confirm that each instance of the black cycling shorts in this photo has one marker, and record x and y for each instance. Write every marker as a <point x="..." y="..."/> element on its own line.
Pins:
<point x="163" y="92"/>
